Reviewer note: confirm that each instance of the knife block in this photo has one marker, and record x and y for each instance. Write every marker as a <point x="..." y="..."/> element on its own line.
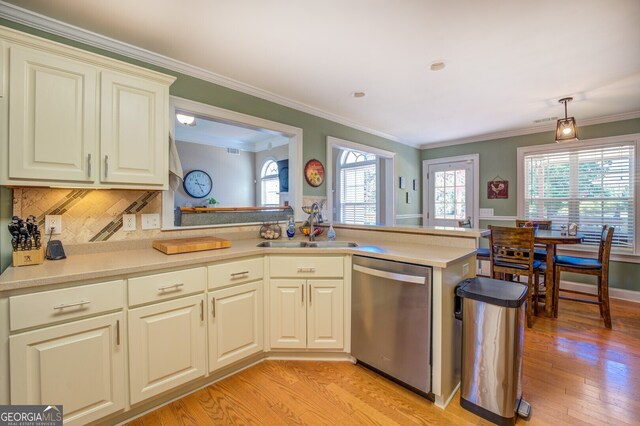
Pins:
<point x="28" y="257"/>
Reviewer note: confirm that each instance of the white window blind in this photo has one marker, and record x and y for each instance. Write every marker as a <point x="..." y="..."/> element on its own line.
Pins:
<point x="358" y="194"/>
<point x="589" y="186"/>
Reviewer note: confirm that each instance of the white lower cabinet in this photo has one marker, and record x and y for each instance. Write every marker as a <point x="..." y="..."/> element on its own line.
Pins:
<point x="167" y="346"/>
<point x="79" y="365"/>
<point x="306" y="314"/>
<point x="235" y="324"/>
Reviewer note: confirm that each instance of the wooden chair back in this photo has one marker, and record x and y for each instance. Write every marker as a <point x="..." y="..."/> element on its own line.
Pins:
<point x="542" y="224"/>
<point x="604" y="249"/>
<point x="511" y="246"/>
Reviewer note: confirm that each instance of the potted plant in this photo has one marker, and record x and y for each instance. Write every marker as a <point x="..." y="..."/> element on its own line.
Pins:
<point x="212" y="202"/>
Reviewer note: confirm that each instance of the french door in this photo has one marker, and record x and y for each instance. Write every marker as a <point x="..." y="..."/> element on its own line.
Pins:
<point x="451" y="191"/>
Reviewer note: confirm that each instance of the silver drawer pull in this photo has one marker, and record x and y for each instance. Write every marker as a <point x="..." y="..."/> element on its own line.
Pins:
<point x="302" y="269"/>
<point x="89" y="165"/>
<point x="71" y="305"/>
<point x="239" y="274"/>
<point x="172" y="287"/>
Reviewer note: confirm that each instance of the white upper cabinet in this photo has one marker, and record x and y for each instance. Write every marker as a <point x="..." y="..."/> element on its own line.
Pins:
<point x="133" y="130"/>
<point x="53" y="115"/>
<point x="76" y="118"/>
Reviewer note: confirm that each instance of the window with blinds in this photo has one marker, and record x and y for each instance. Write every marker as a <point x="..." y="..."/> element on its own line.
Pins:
<point x="270" y="184"/>
<point x="590" y="186"/>
<point x="357" y="188"/>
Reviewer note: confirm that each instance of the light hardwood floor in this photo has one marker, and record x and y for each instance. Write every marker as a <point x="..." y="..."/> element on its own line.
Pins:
<point x="575" y="372"/>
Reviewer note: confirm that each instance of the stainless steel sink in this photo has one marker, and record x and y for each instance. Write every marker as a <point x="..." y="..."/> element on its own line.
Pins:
<point x="331" y="244"/>
<point x="308" y="244"/>
<point x="283" y="244"/>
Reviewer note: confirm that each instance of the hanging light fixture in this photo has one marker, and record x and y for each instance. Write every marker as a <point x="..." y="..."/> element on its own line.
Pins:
<point x="566" y="130"/>
<point x="186" y="120"/>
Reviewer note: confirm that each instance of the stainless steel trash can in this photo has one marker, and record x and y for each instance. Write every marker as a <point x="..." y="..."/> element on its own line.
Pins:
<point x="493" y="316"/>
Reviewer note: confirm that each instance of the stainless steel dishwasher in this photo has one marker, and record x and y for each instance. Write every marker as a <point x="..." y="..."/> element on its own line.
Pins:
<point x="391" y="320"/>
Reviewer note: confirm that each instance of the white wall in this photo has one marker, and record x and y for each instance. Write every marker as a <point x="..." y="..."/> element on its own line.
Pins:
<point x="233" y="175"/>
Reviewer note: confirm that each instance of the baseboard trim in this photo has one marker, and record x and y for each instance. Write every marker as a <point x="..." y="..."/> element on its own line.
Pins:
<point x="614" y="293"/>
<point x="442" y="405"/>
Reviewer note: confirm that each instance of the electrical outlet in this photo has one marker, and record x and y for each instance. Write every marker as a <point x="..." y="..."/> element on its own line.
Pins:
<point x="52" y="221"/>
<point x="151" y="221"/>
<point x="486" y="213"/>
<point x="465" y="269"/>
<point x="128" y="222"/>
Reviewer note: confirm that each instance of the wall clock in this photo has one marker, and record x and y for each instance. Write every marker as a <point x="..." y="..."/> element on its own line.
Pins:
<point x="197" y="184"/>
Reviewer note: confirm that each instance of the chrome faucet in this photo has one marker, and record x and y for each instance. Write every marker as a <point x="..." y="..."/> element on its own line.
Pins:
<point x="315" y="211"/>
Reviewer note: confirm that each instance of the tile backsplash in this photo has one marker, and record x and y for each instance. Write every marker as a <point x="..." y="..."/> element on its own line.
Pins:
<point x="88" y="215"/>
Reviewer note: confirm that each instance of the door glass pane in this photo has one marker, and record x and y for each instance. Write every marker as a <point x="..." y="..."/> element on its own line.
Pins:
<point x="449" y="194"/>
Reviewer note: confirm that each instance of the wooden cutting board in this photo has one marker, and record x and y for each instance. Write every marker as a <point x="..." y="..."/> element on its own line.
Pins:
<point x="187" y="245"/>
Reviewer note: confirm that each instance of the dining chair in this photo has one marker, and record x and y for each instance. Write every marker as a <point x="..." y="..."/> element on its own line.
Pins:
<point x="511" y="253"/>
<point x="589" y="266"/>
<point x="540" y="250"/>
<point x="482" y="253"/>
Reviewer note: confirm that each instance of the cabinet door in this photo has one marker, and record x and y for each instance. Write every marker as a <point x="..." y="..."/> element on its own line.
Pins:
<point x="166" y="346"/>
<point x="79" y="365"/>
<point x="288" y="314"/>
<point x="235" y="324"/>
<point x="325" y="314"/>
<point x="52" y="125"/>
<point x="134" y="138"/>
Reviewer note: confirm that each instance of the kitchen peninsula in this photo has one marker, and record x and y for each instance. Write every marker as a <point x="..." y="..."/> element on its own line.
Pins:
<point x="244" y="288"/>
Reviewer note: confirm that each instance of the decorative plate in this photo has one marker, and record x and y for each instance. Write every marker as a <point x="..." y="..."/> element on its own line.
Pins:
<point x="314" y="173"/>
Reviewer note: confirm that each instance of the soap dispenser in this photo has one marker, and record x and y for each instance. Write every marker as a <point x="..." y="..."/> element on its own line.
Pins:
<point x="291" y="228"/>
<point x="332" y="233"/>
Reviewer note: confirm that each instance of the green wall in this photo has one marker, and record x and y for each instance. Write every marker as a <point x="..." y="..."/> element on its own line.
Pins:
<point x="315" y="129"/>
<point x="499" y="156"/>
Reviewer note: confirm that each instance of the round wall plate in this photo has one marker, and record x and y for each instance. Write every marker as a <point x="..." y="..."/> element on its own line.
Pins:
<point x="314" y="173"/>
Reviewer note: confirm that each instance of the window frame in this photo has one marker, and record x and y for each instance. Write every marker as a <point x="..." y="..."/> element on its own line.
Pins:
<point x="384" y="157"/>
<point x="264" y="178"/>
<point x="632" y="139"/>
<point x="340" y="166"/>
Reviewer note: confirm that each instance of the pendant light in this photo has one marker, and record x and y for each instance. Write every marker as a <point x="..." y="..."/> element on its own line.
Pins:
<point x="566" y="130"/>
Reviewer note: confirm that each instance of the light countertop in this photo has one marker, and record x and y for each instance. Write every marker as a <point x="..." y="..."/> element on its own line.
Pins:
<point x="141" y="260"/>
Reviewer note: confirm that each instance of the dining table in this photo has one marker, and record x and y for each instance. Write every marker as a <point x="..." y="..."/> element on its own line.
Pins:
<point x="551" y="239"/>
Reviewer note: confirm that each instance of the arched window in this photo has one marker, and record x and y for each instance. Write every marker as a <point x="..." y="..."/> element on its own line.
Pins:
<point x="357" y="187"/>
<point x="270" y="184"/>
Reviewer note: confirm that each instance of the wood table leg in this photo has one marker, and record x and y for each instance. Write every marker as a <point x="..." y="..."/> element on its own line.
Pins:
<point x="548" y="281"/>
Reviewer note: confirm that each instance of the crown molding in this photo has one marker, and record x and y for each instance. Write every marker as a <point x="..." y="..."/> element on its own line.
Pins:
<point x="551" y="126"/>
<point x="35" y="20"/>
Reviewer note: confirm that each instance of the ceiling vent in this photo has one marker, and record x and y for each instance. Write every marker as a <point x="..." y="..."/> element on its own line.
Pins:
<point x="233" y="151"/>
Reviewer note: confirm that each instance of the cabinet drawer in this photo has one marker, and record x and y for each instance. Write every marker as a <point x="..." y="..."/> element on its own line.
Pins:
<point x="31" y="310"/>
<point x="306" y="266"/>
<point x="168" y="285"/>
<point x="236" y="272"/>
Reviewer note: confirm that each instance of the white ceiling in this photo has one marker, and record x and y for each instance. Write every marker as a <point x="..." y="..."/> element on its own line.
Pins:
<point x="507" y="62"/>
<point x="216" y="133"/>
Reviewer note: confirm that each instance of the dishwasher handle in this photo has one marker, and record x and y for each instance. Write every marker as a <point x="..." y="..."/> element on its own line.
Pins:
<point x="413" y="279"/>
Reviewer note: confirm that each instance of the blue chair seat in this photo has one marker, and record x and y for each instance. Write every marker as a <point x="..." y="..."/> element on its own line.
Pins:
<point x="540" y="254"/>
<point x="536" y="264"/>
<point x="482" y="252"/>
<point x="578" y="262"/>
